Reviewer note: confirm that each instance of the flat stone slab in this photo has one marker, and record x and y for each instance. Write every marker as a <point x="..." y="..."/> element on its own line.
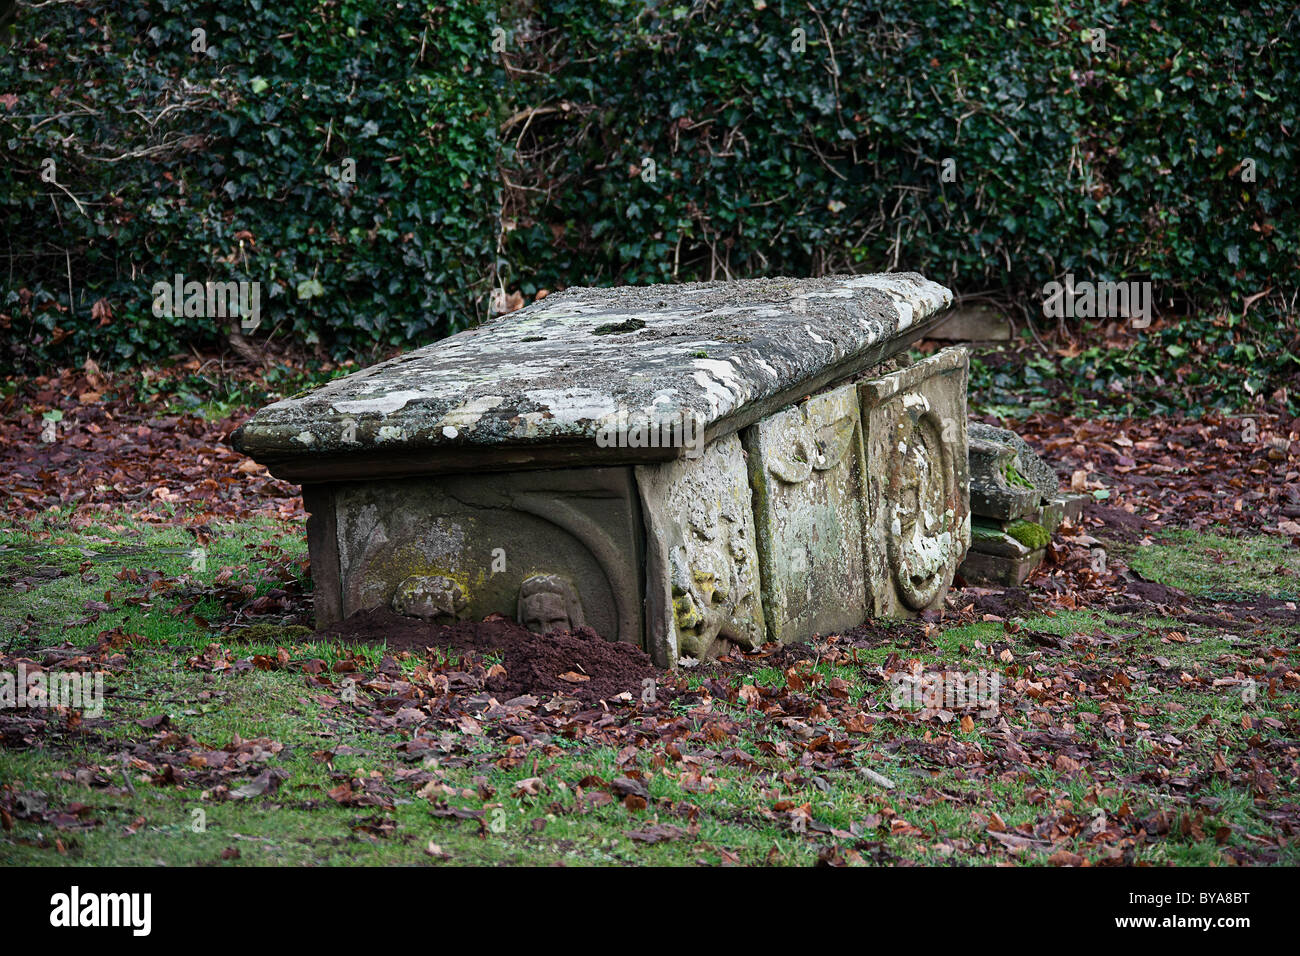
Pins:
<point x="975" y="323"/>
<point x="596" y="377"/>
<point x="988" y="537"/>
<point x="1059" y="508"/>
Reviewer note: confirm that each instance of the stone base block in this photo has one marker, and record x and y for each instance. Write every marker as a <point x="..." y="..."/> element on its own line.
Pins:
<point x="997" y="490"/>
<point x="1028" y="465"/>
<point x="981" y="568"/>
<point x="1057" y="509"/>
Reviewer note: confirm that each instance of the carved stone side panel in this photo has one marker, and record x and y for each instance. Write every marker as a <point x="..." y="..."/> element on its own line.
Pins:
<point x="702" y="571"/>
<point x="807" y="474"/>
<point x="917" y="500"/>
<point x="553" y="549"/>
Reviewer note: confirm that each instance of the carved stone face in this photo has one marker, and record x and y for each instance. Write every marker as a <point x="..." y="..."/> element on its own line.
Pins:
<point x="546" y="612"/>
<point x="712" y="593"/>
<point x="549" y="603"/>
<point x="703" y="561"/>
<point x="430" y="597"/>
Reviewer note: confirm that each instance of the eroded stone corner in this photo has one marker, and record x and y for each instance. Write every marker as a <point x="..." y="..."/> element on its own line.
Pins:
<point x="318" y="501"/>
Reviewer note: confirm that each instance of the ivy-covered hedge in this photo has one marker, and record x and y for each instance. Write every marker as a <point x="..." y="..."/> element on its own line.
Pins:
<point x="993" y="146"/>
<point x="230" y="156"/>
<point x="778" y="151"/>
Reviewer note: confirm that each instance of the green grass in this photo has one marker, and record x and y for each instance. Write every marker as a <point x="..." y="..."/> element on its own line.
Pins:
<point x="88" y="561"/>
<point x="299" y="824"/>
<point x="948" y="791"/>
<point x="1213" y="566"/>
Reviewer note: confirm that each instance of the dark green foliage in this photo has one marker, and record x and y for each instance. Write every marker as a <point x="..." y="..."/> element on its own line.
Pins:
<point x="1191" y="365"/>
<point x="229" y="165"/>
<point x="1122" y="164"/>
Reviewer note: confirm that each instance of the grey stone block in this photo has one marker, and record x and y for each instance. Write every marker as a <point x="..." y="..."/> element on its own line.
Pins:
<point x="981" y="568"/>
<point x="1028" y="462"/>
<point x="1072" y="506"/>
<point x="1049" y="514"/>
<point x="972" y="323"/>
<point x="1055" y="510"/>
<point x="991" y="494"/>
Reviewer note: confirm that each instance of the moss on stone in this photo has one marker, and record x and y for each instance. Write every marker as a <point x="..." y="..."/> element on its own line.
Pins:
<point x="303" y="393"/>
<point x="619" y="328"/>
<point x="1032" y="536"/>
<point x="981" y="529"/>
<point x="1014" y="477"/>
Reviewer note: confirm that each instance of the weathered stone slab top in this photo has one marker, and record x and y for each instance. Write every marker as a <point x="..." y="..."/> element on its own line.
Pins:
<point x="596" y="376"/>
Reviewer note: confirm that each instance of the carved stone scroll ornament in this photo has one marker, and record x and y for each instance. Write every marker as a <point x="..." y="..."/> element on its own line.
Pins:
<point x="918" y="509"/>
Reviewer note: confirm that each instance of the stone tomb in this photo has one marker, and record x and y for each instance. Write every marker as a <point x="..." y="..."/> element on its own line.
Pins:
<point x="685" y="467"/>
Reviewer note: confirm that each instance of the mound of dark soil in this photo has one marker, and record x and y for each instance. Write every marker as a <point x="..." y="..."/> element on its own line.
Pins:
<point x="535" y="664"/>
<point x="1245" y="614"/>
<point x="1140" y="596"/>
<point x="1122" y="526"/>
<point x="1006" y="603"/>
